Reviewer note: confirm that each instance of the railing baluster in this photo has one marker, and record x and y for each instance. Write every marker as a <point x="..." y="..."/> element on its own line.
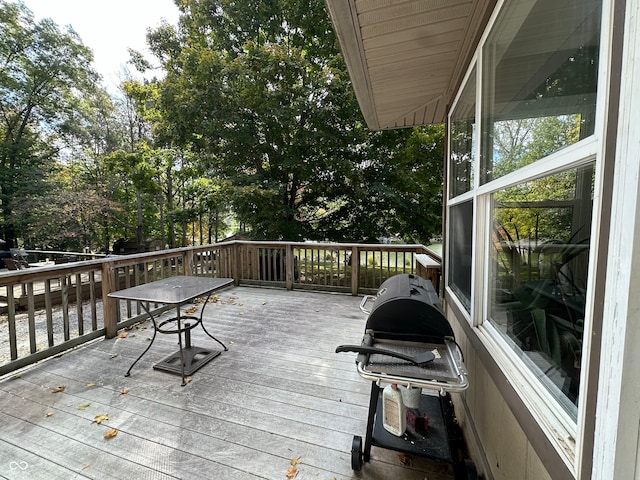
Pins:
<point x="11" y="313"/>
<point x="65" y="307"/>
<point x="31" y="308"/>
<point x="48" y="307"/>
<point x="79" y="298"/>
<point x="92" y="300"/>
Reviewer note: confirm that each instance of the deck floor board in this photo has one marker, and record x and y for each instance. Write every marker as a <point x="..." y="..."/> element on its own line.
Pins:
<point x="280" y="392"/>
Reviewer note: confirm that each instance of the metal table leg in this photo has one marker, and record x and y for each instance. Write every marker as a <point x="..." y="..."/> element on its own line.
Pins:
<point x="202" y="323"/>
<point x="155" y="330"/>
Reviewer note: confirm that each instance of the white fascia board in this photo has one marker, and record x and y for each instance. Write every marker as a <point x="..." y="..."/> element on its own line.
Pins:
<point x="347" y="29"/>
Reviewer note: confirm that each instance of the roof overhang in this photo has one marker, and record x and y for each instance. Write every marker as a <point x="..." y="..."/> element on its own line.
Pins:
<point x="407" y="58"/>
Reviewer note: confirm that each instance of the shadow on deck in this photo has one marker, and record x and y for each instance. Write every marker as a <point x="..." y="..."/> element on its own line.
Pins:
<point x="280" y="393"/>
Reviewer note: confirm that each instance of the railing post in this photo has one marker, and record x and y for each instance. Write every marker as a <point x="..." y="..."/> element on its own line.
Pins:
<point x="187" y="262"/>
<point x="236" y="264"/>
<point x="355" y="270"/>
<point x="289" y="266"/>
<point x="109" y="304"/>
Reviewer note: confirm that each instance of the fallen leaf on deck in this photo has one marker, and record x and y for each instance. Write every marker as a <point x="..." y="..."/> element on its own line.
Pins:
<point x="191" y="310"/>
<point x="91" y="384"/>
<point x="110" y="434"/>
<point x="123" y="335"/>
<point x="58" y="389"/>
<point x="295" y="461"/>
<point x="15" y="377"/>
<point x="124" y="391"/>
<point x="405" y="459"/>
<point x="188" y="379"/>
<point x="113" y="355"/>
<point x="292" y="472"/>
<point x="84" y="406"/>
<point x="101" y="418"/>
<point x="48" y="414"/>
<point x="264" y="303"/>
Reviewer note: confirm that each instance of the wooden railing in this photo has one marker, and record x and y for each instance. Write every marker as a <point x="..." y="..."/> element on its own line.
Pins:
<point x="48" y="309"/>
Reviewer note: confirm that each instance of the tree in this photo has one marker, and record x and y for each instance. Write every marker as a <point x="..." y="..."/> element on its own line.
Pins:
<point x="137" y="176"/>
<point x="261" y="90"/>
<point x="174" y="170"/>
<point x="68" y="217"/>
<point x="414" y="210"/>
<point x="43" y="73"/>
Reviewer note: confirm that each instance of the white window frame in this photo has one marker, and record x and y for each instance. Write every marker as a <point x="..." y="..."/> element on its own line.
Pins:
<point x="563" y="432"/>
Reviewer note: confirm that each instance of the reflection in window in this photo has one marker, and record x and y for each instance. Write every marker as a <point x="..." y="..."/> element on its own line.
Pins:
<point x="539" y="262"/>
<point x="460" y="243"/>
<point x="539" y="82"/>
<point x="463" y="120"/>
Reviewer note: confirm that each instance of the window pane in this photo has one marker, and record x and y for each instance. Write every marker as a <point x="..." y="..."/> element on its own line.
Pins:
<point x="463" y="122"/>
<point x="460" y="244"/>
<point x="539" y="82"/>
<point x="539" y="274"/>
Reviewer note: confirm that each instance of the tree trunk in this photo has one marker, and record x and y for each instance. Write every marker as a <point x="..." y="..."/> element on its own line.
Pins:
<point x="170" y="207"/>
<point x="140" y="224"/>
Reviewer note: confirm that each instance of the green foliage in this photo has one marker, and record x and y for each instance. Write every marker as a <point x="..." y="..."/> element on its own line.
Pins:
<point x="69" y="215"/>
<point x="45" y="72"/>
<point x="256" y="122"/>
<point x="518" y="143"/>
<point x="538" y="209"/>
<point x="261" y="89"/>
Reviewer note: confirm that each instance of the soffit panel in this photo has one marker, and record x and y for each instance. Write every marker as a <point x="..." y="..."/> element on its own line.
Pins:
<point x="406" y="58"/>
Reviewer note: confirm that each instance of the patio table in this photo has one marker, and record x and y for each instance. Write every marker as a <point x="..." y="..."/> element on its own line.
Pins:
<point x="176" y="291"/>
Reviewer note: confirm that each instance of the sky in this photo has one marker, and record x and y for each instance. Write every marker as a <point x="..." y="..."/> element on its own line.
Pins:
<point x="108" y="27"/>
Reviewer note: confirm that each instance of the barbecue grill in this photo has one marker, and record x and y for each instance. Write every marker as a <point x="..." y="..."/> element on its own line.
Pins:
<point x="409" y="342"/>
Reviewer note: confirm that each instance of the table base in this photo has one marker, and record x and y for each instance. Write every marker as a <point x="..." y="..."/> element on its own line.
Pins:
<point x="194" y="358"/>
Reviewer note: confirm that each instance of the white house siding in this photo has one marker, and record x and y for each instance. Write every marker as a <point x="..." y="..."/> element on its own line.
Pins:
<point x="498" y="446"/>
<point x="616" y="446"/>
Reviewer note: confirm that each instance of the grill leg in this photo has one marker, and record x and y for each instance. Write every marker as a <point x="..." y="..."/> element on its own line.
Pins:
<point x="373" y="406"/>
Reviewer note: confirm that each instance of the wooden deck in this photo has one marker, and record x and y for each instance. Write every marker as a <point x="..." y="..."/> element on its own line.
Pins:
<point x="279" y="393"/>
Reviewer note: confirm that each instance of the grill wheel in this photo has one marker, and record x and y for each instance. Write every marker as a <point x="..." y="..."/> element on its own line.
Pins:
<point x="357" y="454"/>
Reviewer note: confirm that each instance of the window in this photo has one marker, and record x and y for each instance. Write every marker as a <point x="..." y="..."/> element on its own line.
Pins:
<point x="533" y="194"/>
<point x="539" y="82"/>
<point x="463" y="122"/>
<point x="539" y="258"/>
<point x="461" y="235"/>
<point x="461" y="166"/>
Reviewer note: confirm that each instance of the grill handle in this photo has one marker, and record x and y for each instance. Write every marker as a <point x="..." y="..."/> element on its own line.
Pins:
<point x="364" y="301"/>
<point x="420" y="359"/>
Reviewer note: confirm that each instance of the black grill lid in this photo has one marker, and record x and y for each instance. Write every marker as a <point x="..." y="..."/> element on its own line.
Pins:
<point x="408" y="308"/>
